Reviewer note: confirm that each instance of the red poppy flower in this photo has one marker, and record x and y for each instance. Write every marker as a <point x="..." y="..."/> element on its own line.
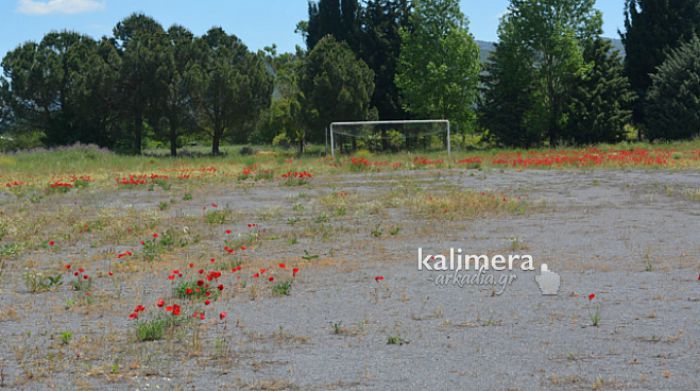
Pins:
<point x="220" y="287"/>
<point x="67" y="266"/>
<point x="201" y="316"/>
<point x="243" y="248"/>
<point x="51" y="243"/>
<point x="256" y="275"/>
<point x="176" y="310"/>
<point x="222" y="315"/>
<point x="295" y="271"/>
<point x="228" y="232"/>
<point x="214" y="205"/>
<point x="133" y="316"/>
<point x="143" y="243"/>
<point x="271" y="279"/>
<point x="282" y="266"/>
<point x="160" y="303"/>
<point x="86" y="277"/>
<point x="81" y="270"/>
<point x="262" y="270"/>
<point x="212" y="260"/>
<point x="188" y="291"/>
<point x="379" y="278"/>
<point x="201" y="271"/>
<point x="207" y="293"/>
<point x="171" y="277"/>
<point x="591" y="297"/>
<point x="109" y="273"/>
<point x="207" y="302"/>
<point x="155" y="235"/>
<point x="76" y="274"/>
<point x="191" y="265"/>
<point x="200" y="283"/>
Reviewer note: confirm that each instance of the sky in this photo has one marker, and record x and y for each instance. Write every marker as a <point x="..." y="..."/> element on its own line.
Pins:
<point x="258" y="23"/>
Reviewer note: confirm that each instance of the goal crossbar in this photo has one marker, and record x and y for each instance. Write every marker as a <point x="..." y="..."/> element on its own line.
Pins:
<point x="399" y="122"/>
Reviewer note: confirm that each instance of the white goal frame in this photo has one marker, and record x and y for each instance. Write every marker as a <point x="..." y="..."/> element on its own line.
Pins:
<point x="402" y="122"/>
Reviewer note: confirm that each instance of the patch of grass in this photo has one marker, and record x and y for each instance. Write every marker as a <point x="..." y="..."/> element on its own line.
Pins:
<point x="459" y="204"/>
<point x="282" y="288"/>
<point x="396" y="340"/>
<point x="65" y="337"/>
<point x="187" y="197"/>
<point x="218" y="216"/>
<point x="151" y="330"/>
<point x="37" y="282"/>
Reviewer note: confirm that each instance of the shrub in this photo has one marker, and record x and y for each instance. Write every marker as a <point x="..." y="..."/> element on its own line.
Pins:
<point x="673" y="101"/>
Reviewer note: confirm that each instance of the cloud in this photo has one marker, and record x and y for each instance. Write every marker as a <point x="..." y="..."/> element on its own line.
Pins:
<point x="45" y="7"/>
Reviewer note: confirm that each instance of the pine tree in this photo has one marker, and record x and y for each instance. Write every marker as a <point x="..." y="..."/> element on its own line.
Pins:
<point x="673" y="101"/>
<point x="652" y="27"/>
<point x="601" y="102"/>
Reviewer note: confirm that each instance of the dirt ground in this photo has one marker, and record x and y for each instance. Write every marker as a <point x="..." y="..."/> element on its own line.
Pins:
<point x="629" y="237"/>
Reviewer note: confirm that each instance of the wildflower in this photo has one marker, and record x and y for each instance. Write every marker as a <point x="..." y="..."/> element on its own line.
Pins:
<point x="191" y="265"/>
<point x="160" y="303"/>
<point x="222" y="316"/>
<point x="155" y="235"/>
<point x="133" y="316"/>
<point x="220" y="287"/>
<point x="591" y="297"/>
<point x="109" y="273"/>
<point x="207" y="302"/>
<point x="282" y="266"/>
<point x="256" y="275"/>
<point x="67" y="266"/>
<point x="85" y="277"/>
<point x="201" y="271"/>
<point x="188" y="291"/>
<point x="201" y="316"/>
<point x="295" y="271"/>
<point x="171" y="277"/>
<point x="212" y="260"/>
<point x="51" y="243"/>
<point x="214" y="205"/>
<point x="379" y="278"/>
<point x="228" y="232"/>
<point x="271" y="279"/>
<point x="262" y="270"/>
<point x="243" y="248"/>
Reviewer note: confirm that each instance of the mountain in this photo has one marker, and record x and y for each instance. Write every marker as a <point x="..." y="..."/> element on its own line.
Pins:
<point x="488" y="47"/>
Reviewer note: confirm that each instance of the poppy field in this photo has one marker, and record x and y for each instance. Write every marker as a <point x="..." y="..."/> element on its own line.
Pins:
<point x="273" y="272"/>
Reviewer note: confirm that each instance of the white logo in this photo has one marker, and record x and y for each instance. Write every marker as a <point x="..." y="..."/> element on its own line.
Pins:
<point x="548" y="282"/>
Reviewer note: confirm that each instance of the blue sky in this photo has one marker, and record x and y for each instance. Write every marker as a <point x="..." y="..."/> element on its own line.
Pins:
<point x="258" y="22"/>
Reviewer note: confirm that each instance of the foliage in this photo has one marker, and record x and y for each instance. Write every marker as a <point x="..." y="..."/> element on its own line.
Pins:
<point x="601" y="101"/>
<point x="652" y="27"/>
<point x="232" y="88"/>
<point x="673" y="102"/>
<point x="439" y="86"/>
<point x="335" y="86"/>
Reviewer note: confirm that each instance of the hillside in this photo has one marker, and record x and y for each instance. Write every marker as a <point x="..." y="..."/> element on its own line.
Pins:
<point x="487" y="48"/>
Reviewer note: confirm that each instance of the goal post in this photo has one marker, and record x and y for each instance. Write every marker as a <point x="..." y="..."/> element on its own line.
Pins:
<point x="335" y="126"/>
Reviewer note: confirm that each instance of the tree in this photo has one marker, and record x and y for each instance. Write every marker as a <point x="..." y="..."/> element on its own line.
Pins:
<point x="673" y="101"/>
<point x="335" y="86"/>
<point x="49" y="86"/>
<point x="553" y="31"/>
<point x="339" y="18"/>
<point x="284" y="116"/>
<point x="438" y="70"/>
<point x="601" y="101"/>
<point x="232" y="87"/>
<point x="142" y="44"/>
<point x="510" y="105"/>
<point x="178" y="108"/>
<point x="380" y="47"/>
<point x="652" y="27"/>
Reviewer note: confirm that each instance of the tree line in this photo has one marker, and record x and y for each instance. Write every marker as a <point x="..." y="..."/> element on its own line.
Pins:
<point x="552" y="79"/>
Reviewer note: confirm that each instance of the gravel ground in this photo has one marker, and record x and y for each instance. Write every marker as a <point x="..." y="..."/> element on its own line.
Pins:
<point x="630" y="237"/>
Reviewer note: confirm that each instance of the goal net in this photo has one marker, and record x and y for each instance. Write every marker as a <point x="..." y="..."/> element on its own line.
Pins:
<point x="390" y="136"/>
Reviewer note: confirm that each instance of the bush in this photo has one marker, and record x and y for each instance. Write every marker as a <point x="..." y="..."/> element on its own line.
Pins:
<point x="673" y="101"/>
<point x="281" y="140"/>
<point x="10" y="142"/>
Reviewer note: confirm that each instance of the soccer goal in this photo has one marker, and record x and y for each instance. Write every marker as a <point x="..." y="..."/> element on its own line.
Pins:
<point x="390" y="135"/>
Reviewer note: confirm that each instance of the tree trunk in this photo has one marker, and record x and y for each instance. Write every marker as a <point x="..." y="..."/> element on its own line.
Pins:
<point x="216" y="142"/>
<point x="173" y="140"/>
<point x="138" y="131"/>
